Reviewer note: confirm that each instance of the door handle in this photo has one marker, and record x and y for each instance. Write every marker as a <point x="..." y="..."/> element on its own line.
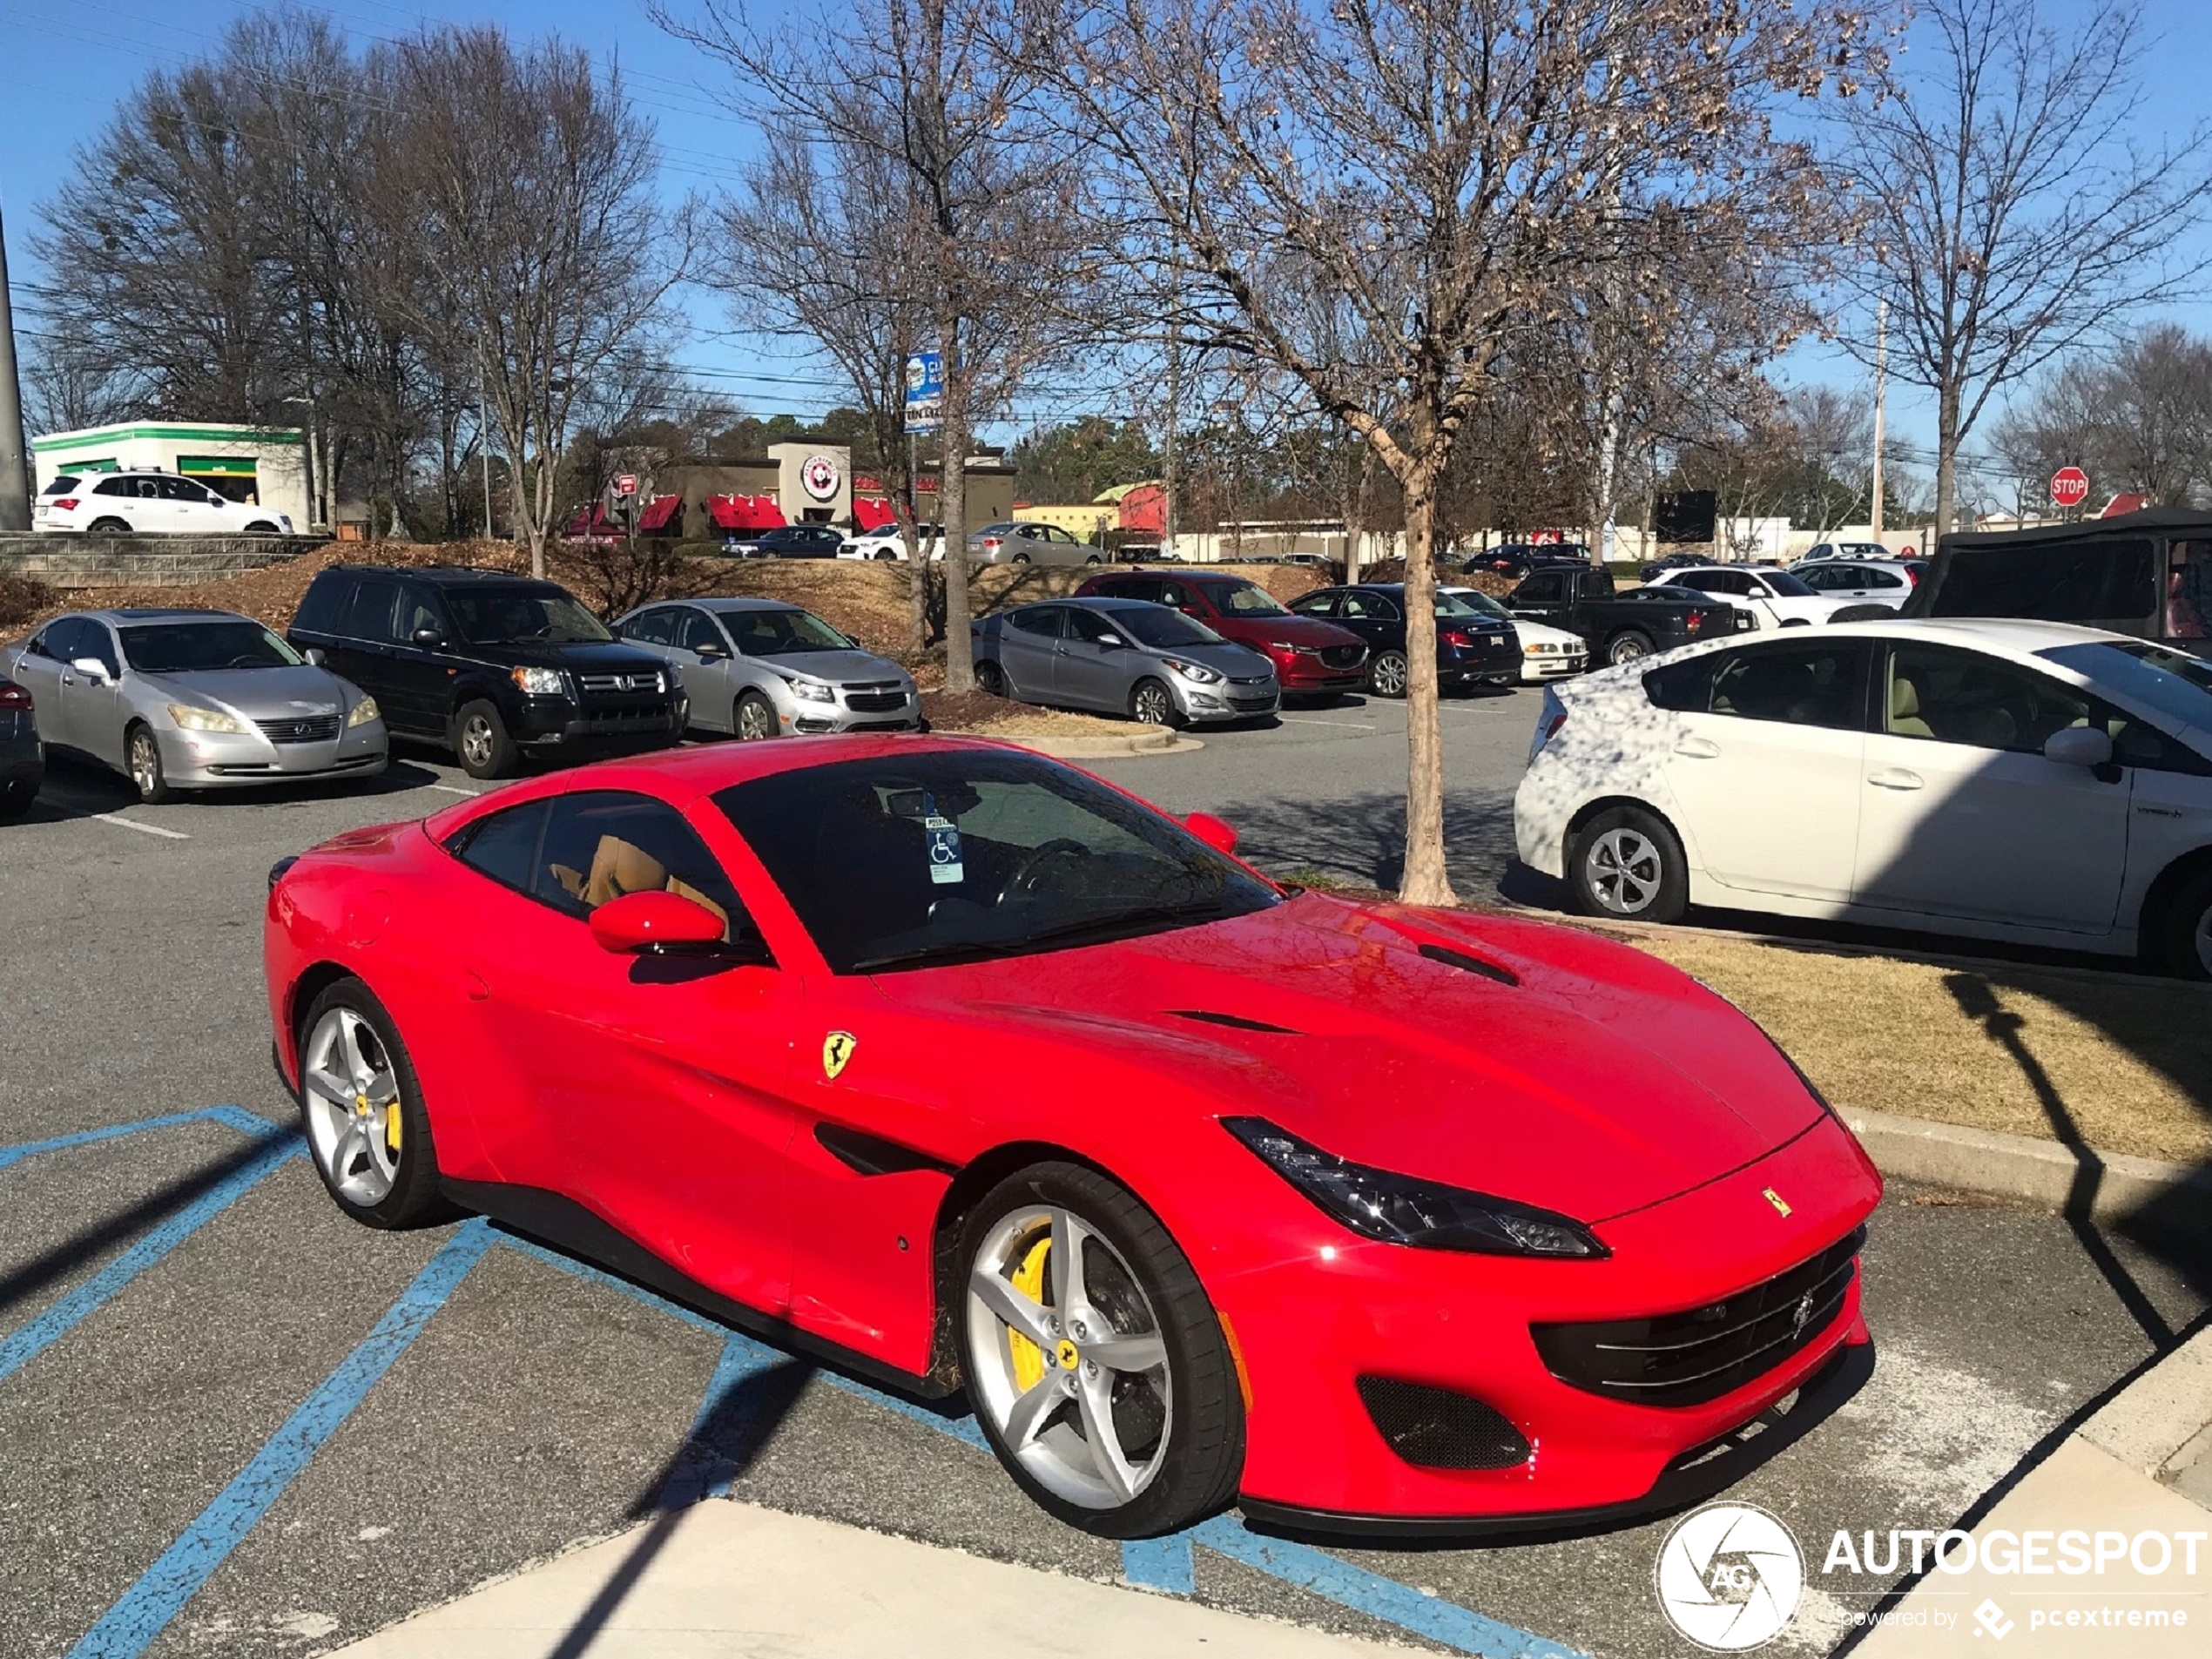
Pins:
<point x="1698" y="749"/>
<point x="1895" y="778"/>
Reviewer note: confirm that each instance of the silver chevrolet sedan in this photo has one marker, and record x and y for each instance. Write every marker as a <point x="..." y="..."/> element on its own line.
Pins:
<point x="760" y="668"/>
<point x="194" y="699"/>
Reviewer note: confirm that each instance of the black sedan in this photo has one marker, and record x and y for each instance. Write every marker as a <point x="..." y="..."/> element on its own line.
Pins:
<point x="22" y="760"/>
<point x="785" y="542"/>
<point x="1516" y="559"/>
<point x="1472" y="646"/>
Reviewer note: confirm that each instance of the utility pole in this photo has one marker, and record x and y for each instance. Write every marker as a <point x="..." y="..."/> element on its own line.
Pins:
<point x="1881" y="370"/>
<point x="1175" y="416"/>
<point x="483" y="445"/>
<point x="15" y="468"/>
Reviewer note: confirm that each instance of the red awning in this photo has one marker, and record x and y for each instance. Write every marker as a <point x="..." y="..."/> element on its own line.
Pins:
<point x="658" y="511"/>
<point x="867" y="515"/>
<point x="745" y="512"/>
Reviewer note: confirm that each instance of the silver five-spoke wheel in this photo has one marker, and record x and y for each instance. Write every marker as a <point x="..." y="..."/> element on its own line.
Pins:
<point x="353" y="1100"/>
<point x="1067" y="1357"/>
<point x="477" y="741"/>
<point x="1625" y="869"/>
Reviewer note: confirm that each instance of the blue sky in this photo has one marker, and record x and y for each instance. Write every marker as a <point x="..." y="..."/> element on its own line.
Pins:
<point x="73" y="64"/>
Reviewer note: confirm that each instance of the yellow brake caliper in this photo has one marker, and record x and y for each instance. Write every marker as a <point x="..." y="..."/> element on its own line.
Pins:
<point x="1028" y="1278"/>
<point x="392" y="1129"/>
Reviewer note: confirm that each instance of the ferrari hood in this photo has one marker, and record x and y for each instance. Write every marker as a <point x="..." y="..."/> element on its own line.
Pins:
<point x="1533" y="1062"/>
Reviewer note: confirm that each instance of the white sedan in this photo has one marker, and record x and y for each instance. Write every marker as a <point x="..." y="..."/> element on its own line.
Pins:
<point x="1774" y="597"/>
<point x="1545" y="653"/>
<point x="885" y="542"/>
<point x="2027" y="781"/>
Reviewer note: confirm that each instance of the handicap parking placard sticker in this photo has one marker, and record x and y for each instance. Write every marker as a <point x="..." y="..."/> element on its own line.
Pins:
<point x="944" y="847"/>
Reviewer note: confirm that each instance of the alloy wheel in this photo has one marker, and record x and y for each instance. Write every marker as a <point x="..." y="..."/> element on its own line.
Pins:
<point x="1153" y="705"/>
<point x="1625" y="871"/>
<point x="145" y="763"/>
<point x="756" y="720"/>
<point x="353" y="1100"/>
<point x="1629" y="648"/>
<point x="1068" y="1359"/>
<point x="476" y="741"/>
<point x="1389" y="675"/>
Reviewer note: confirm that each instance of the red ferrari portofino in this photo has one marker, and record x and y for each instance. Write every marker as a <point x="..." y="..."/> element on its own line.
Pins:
<point x="966" y="1069"/>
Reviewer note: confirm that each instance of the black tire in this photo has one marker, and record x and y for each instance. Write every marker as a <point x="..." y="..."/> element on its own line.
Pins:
<point x="2180" y="941"/>
<point x="142" y="765"/>
<point x="1627" y="863"/>
<point x="1151" y="702"/>
<point x="753" y="719"/>
<point x="1094" y="559"/>
<point x="1019" y="558"/>
<point x="481" y="742"/>
<point x="107" y="527"/>
<point x="990" y="679"/>
<point x="260" y="526"/>
<point x="16" y="796"/>
<point x="1387" y="674"/>
<point x="1629" y="645"/>
<point x="416" y="1199"/>
<point x="1203" y="1461"/>
<point x="886" y="553"/>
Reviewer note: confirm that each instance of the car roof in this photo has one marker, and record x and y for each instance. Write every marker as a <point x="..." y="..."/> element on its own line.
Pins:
<point x="448" y="573"/>
<point x="162" y="614"/>
<point x="728" y="606"/>
<point x="1099" y="602"/>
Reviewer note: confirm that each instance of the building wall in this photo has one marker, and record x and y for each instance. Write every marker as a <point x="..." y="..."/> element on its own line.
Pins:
<point x="813" y="482"/>
<point x="1085" y="521"/>
<point x="267" y="463"/>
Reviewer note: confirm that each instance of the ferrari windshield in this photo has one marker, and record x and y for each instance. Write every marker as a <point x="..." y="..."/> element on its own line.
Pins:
<point x="514" y="616"/>
<point x="920" y="861"/>
<point x="194" y="647"/>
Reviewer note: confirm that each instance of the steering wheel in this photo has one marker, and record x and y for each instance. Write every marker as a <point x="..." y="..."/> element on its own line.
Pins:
<point x="248" y="659"/>
<point x="1024" y="880"/>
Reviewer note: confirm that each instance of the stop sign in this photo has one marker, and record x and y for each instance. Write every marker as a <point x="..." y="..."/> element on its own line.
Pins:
<point x="2069" y="486"/>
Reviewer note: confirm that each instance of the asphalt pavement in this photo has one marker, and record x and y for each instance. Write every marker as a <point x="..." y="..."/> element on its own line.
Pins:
<point x="231" y="1422"/>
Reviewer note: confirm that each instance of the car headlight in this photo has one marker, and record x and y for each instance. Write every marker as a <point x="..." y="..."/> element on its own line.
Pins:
<point x="1198" y="673"/>
<point x="812" y="691"/>
<point x="1538" y="649"/>
<point x="1399" y="1210"/>
<point x="540" y="681"/>
<point x="363" y="712"/>
<point x="191" y="719"/>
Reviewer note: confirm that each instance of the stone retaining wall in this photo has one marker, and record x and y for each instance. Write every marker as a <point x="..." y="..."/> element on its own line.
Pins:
<point x="144" y="561"/>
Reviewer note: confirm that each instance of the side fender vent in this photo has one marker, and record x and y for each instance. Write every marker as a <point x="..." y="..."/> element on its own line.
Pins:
<point x="1234" y="1021"/>
<point x="1452" y="958"/>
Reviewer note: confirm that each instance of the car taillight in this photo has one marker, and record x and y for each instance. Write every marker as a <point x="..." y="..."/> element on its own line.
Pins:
<point x="13" y="696"/>
<point x="1911" y="577"/>
<point x="1455" y="637"/>
<point x="1550" y="728"/>
<point x="1696" y="621"/>
<point x="67" y="503"/>
<point x="991" y="542"/>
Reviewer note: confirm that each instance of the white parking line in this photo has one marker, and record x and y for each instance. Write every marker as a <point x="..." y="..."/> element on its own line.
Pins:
<point x="453" y="789"/>
<point x="121" y="822"/>
<point x="1354" y="726"/>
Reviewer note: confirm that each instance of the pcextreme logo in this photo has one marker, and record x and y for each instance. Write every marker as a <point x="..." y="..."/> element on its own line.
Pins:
<point x="1729" y="1576"/>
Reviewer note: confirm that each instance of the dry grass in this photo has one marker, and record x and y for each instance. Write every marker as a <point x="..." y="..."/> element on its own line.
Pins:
<point x="2120" y="1061"/>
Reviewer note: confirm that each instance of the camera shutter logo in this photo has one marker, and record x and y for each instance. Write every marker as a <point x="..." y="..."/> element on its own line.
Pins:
<point x="1730" y="1576"/>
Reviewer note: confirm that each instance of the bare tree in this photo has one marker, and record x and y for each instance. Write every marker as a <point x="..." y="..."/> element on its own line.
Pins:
<point x="2014" y="218"/>
<point x="531" y="179"/>
<point x="923" y="99"/>
<point x="1453" y="172"/>
<point x="2140" y="419"/>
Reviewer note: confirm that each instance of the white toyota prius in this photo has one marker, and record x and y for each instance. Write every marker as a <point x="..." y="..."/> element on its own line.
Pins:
<point x="2027" y="781"/>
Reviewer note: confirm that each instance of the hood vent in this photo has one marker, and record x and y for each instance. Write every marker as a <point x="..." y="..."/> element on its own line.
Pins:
<point x="1452" y="958"/>
<point x="1234" y="1021"/>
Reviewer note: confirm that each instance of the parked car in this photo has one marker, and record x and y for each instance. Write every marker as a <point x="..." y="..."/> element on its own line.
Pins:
<point x="888" y="541"/>
<point x="1846" y="550"/>
<point x="785" y="542"/>
<point x="2147" y="574"/>
<point x="1545" y="653"/>
<point x="1516" y="559"/>
<point x="760" y="668"/>
<point x="1018" y="541"/>
<point x="1621" y="627"/>
<point x="1473" y="646"/>
<point x="194" y="699"/>
<point x="1121" y="656"/>
<point x="736" y="1019"/>
<point x="2033" y="782"/>
<point x="1656" y="569"/>
<point x="1773" y="597"/>
<point x="1311" y="658"/>
<point x="147" y="501"/>
<point x="23" y="756"/>
<point x="491" y="666"/>
<point x="1863" y="581"/>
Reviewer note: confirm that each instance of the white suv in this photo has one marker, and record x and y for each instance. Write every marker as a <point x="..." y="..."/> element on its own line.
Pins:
<point x="147" y="502"/>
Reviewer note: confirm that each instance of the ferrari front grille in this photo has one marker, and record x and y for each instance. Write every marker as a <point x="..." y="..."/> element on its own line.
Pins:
<point x="1689" y="1358"/>
<point x="1441" y="1429"/>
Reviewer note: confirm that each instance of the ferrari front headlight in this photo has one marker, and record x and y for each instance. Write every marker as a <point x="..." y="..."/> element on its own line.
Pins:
<point x="189" y="718"/>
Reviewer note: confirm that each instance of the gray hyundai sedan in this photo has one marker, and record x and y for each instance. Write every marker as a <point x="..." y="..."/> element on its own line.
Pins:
<point x="1121" y="656"/>
<point x="760" y="668"/>
<point x="194" y="699"/>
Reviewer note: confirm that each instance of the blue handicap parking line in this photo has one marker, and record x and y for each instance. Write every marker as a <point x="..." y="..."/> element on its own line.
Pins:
<point x="237" y="1117"/>
<point x="1164" y="1564"/>
<point x="126" y="1630"/>
<point x="20" y="1347"/>
<point x="708" y="1465"/>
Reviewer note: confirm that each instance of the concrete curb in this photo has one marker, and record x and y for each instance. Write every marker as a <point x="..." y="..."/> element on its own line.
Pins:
<point x="2108" y="1186"/>
<point x="2152" y="1421"/>
<point x="1145" y="740"/>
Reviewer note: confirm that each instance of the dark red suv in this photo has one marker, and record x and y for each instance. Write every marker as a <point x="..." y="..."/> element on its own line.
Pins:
<point x="1311" y="658"/>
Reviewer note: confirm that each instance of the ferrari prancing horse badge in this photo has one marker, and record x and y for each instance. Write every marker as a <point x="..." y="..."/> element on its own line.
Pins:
<point x="837" y="1049"/>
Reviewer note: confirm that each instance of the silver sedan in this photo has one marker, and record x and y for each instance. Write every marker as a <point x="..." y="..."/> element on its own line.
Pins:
<point x="760" y="668"/>
<point x="1022" y="541"/>
<point x="194" y="699"/>
<point x="1123" y="657"/>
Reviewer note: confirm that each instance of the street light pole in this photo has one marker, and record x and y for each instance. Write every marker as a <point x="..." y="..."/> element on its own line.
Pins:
<point x="15" y="470"/>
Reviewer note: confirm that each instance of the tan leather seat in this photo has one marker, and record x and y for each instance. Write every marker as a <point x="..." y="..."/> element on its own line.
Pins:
<point x="1905" y="709"/>
<point x="619" y="868"/>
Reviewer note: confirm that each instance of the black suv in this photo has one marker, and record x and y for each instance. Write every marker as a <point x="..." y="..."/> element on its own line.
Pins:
<point x="490" y="665"/>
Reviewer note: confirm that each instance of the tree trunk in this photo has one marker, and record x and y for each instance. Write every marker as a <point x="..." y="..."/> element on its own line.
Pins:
<point x="1947" y="457"/>
<point x="1425" y="879"/>
<point x="952" y="509"/>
